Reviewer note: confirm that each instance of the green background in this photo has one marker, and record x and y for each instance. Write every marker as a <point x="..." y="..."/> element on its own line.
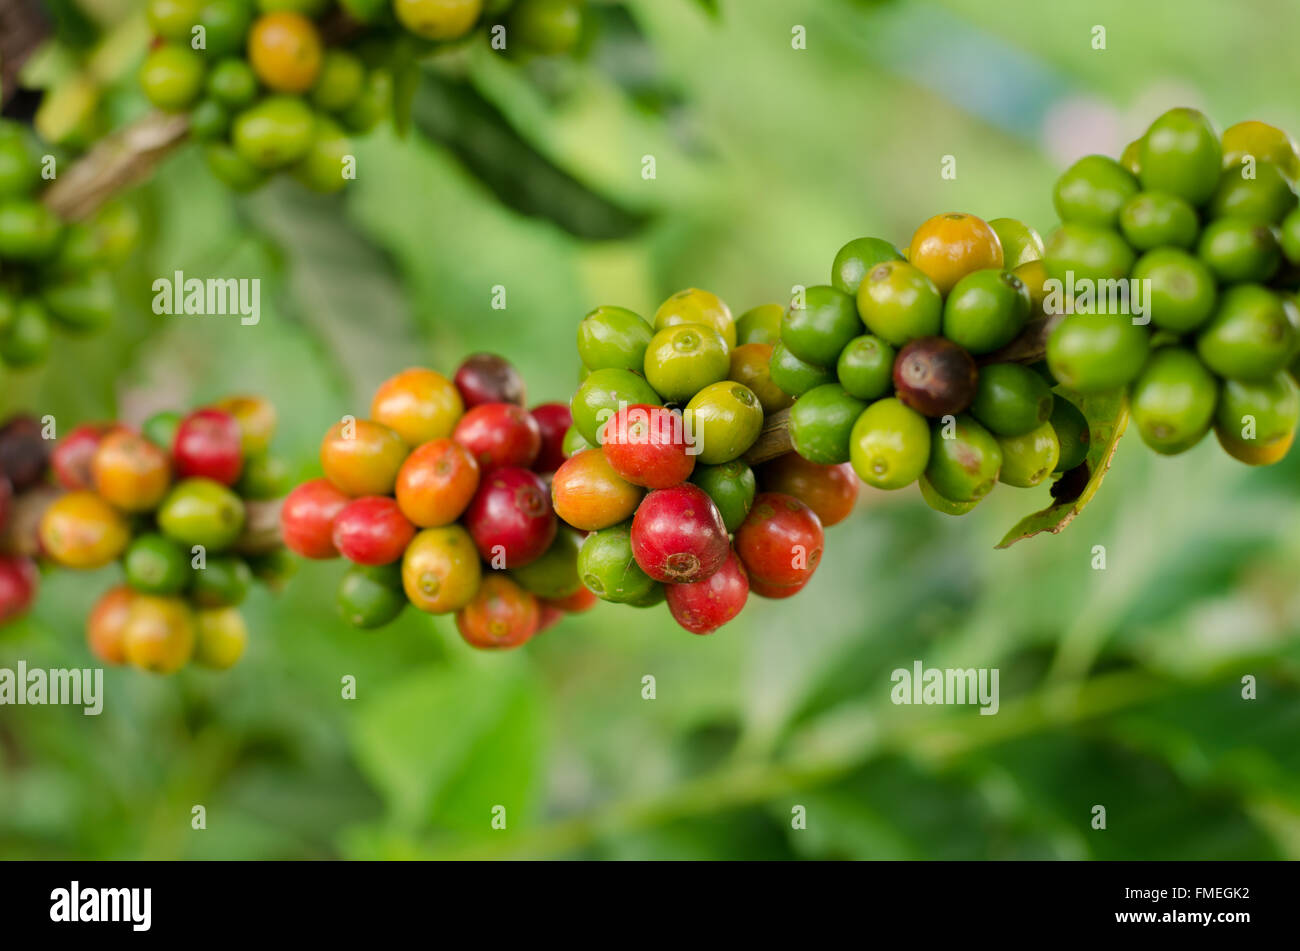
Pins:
<point x="1119" y="687"/>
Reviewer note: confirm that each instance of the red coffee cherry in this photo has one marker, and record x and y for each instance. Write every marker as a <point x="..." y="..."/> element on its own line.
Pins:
<point x="209" y="446"/>
<point x="488" y="378"/>
<point x="500" y="435"/>
<point x="678" y="535"/>
<point x="553" y="421"/>
<point x="706" y="605"/>
<point x="646" y="445"/>
<point x="372" y="531"/>
<point x="510" y="518"/>
<point x="780" y="541"/>
<point x="307" y="518"/>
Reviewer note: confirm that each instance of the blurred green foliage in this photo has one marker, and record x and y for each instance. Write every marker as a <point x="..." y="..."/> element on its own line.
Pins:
<point x="1119" y="687"/>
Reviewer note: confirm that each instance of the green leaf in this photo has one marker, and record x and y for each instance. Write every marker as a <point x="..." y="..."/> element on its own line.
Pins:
<point x="459" y="117"/>
<point x="445" y="747"/>
<point x="1107" y="415"/>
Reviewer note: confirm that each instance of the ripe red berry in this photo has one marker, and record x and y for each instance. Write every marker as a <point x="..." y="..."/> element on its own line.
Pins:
<point x="18" y="581"/>
<point x="510" y="518"/>
<point x="372" y="531"/>
<point x="935" y="376"/>
<point x="307" y="518"/>
<point x="646" y="445"/>
<point x="706" y="605"/>
<point x="780" y="540"/>
<point x="208" y="445"/>
<point x="553" y="421"/>
<point x="829" y="490"/>
<point x="488" y="378"/>
<point x="678" y="535"/>
<point x="576" y="603"/>
<point x="499" y="435"/>
<point x="500" y="615"/>
<point x="71" y="457"/>
<point x="548" y="615"/>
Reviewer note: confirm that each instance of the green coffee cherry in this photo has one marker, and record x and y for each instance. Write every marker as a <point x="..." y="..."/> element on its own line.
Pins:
<point x="1021" y="244"/>
<point x="855" y="259"/>
<point x="1011" y="399"/>
<point x="1256" y="422"/>
<point x="1093" y="190"/>
<point x="761" y="324"/>
<point x="1090" y="353"/>
<point x="683" y="359"/>
<point x="899" y="303"/>
<point x="986" y="310"/>
<point x="1180" y="154"/>
<point x="1182" y="289"/>
<point x="821" y="422"/>
<point x="1265" y="198"/>
<point x="889" y="445"/>
<point x="794" y="376"/>
<point x="1029" y="458"/>
<point x="1088" y="253"/>
<point x="1251" y="335"/>
<point x="1173" y="400"/>
<point x="613" y="338"/>
<point x="818" y="330"/>
<point x="965" y="460"/>
<point x="865" y="368"/>
<point x="1239" y="250"/>
<point x="1072" y="434"/>
<point x="600" y="395"/>
<point x="1158" y="220"/>
<point x="731" y="486"/>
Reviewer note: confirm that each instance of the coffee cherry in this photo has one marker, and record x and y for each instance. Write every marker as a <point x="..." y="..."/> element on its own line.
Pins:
<point x="555" y="574"/>
<point x="964" y="460"/>
<point x="1030" y="458"/>
<point x="1264" y="198"/>
<point x="418" y="404"/>
<point x="29" y="232"/>
<point x="781" y="541"/>
<point x="683" y="359"/>
<point x="342" y="78"/>
<point x="948" y="247"/>
<point x="553" y="421"/>
<point x="723" y="420"/>
<point x="264" y="477"/>
<point x="821" y="325"/>
<point x="232" y="169"/>
<point x="613" y="338"/>
<point x="830" y="491"/>
<point x="222" y="582"/>
<point x="694" y="306"/>
<point x="1091" y="353"/>
<point x="202" y="512"/>
<point x="232" y="83"/>
<point x="899" y="302"/>
<point x="1011" y="399"/>
<point x="307" y="518"/>
<point x="934" y="376"/>
<point x="436" y="483"/>
<point x="1158" y="220"/>
<point x="930" y="495"/>
<point x="285" y="51"/>
<point x="647" y="446"/>
<point x="510" y="518"/>
<point x="590" y="495"/>
<point x="579" y="602"/>
<point x="547" y="26"/>
<point x="731" y="486"/>
<point x="1182" y="291"/>
<point x="1251" y="335"/>
<point x="441" y="570"/>
<point x="159" y="634"/>
<point x="1173" y="400"/>
<point x="82" y="531"/>
<point x="371" y="596"/>
<point x="751" y="366"/>
<point x="889" y="445"/>
<point x="704" y="606"/>
<point x="1093" y="191"/>
<point x="854" y="260"/>
<point x="499" y="435"/>
<point x="362" y="457"/>
<point x="1237" y="250"/>
<point x="221" y="636"/>
<point x="678" y="535"/>
<point x="172" y="77"/>
<point x="154" y="564"/>
<point x="24" y="452"/>
<point x="372" y="531"/>
<point x="1072" y="433"/>
<point x="18" y="582"/>
<point x="793" y="376"/>
<point x="209" y="445"/>
<point x="500" y="616"/>
<point x="609" y="569"/>
<point x="1264" y="143"/>
<point x="1255" y="422"/>
<point x="986" y="310"/>
<point x="106" y="625"/>
<point x="761" y="324"/>
<point x="438" y="19"/>
<point x="865" y="367"/>
<point x="821" y="422"/>
<point x="488" y="378"/>
<point x="1180" y="154"/>
<point x="1021" y="244"/>
<point x="1086" y="253"/>
<point x="274" y="132"/>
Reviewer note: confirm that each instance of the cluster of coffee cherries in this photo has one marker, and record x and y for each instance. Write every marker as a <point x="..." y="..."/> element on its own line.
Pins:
<point x="895" y="366"/>
<point x="278" y="85"/>
<point x="52" y="274"/>
<point x="440" y="499"/>
<point x="663" y="418"/>
<point x="1198" y="238"/>
<point x="24" y="492"/>
<point x="178" y="503"/>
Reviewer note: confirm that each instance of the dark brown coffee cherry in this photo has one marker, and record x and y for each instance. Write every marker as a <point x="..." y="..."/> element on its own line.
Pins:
<point x="935" y="377"/>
